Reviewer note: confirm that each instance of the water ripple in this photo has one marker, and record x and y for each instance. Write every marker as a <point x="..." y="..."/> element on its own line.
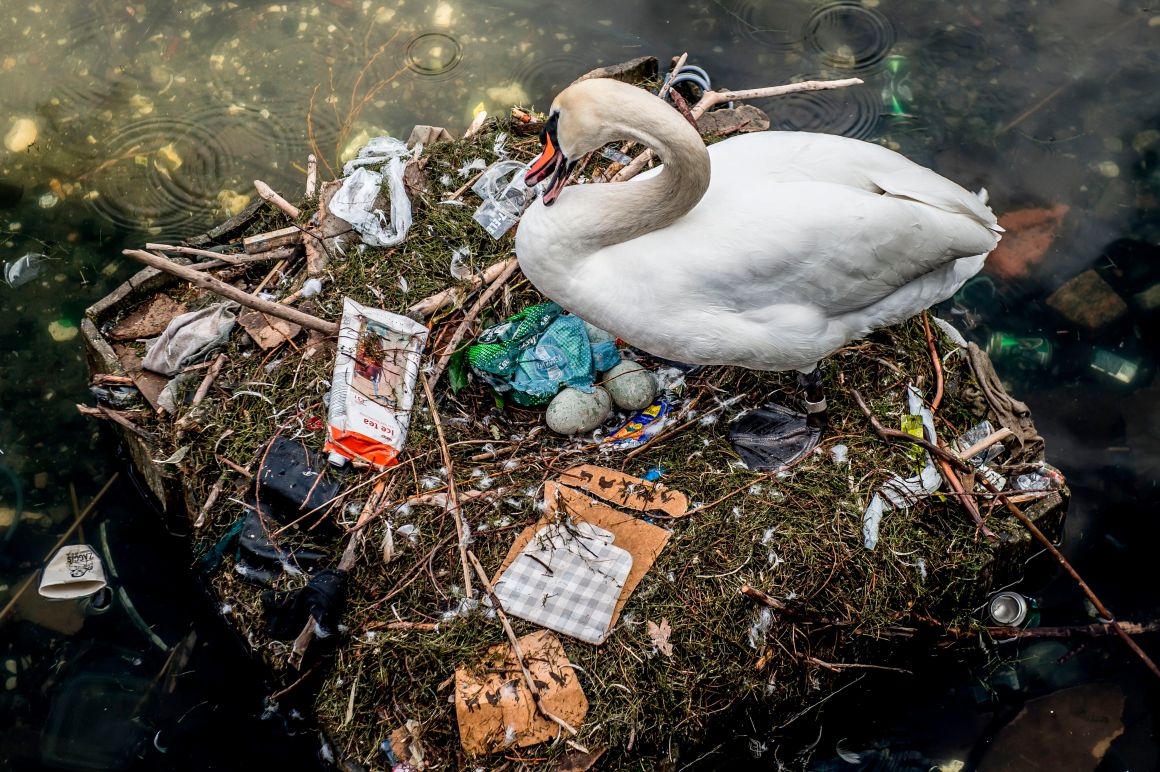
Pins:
<point x="776" y="26"/>
<point x="164" y="176"/>
<point x="849" y="36"/>
<point x="433" y="55"/>
<point x="849" y="112"/>
<point x="542" y="77"/>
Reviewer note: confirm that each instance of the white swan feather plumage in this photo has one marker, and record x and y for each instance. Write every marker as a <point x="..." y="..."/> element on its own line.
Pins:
<point x="769" y="250"/>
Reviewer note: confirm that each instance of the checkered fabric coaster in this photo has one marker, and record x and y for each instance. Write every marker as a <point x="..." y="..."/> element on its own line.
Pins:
<point x="568" y="578"/>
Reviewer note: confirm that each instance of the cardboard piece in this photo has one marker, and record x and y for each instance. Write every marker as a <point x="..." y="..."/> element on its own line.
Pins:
<point x="149" y="320"/>
<point x="1089" y="301"/>
<point x="494" y="707"/>
<point x="625" y="490"/>
<point x="268" y="331"/>
<point x="644" y="541"/>
<point x="150" y="384"/>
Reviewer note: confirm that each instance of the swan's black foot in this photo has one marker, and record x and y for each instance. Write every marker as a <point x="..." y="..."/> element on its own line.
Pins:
<point x="815" y="401"/>
<point x="773" y="437"/>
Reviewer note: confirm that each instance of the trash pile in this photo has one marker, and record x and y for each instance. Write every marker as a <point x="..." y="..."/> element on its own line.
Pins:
<point x="484" y="526"/>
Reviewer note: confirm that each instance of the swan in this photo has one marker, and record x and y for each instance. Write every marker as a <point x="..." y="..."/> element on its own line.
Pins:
<point x="768" y="250"/>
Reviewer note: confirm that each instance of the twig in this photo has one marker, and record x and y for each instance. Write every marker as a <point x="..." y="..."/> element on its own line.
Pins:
<point x="269" y="194"/>
<point x="713" y="98"/>
<point x="231" y="259"/>
<point x="311" y="175"/>
<point x="280" y="253"/>
<point x="452" y="496"/>
<point x="957" y="462"/>
<point x="986" y="442"/>
<point x="516" y="649"/>
<point x="470" y="317"/>
<point x="207" y="381"/>
<point x="429" y="305"/>
<point x="938" y="373"/>
<point x="755" y="594"/>
<point x="210" y="500"/>
<point x="233" y="293"/>
<point x="463" y="189"/>
<point x="678" y="63"/>
<point x="838" y="667"/>
<point x="1083" y="586"/>
<point x="117" y="417"/>
<point x="63" y="538"/>
<point x="345" y="563"/>
<point x="1077" y="631"/>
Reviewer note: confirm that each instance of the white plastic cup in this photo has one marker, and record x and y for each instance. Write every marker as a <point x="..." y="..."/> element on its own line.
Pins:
<point x="74" y="572"/>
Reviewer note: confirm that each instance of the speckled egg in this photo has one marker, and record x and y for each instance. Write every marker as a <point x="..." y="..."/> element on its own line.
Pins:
<point x="631" y="386"/>
<point x="574" y="412"/>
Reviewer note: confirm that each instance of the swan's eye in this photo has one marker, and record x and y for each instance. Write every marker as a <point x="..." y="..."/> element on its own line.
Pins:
<point x="549" y="128"/>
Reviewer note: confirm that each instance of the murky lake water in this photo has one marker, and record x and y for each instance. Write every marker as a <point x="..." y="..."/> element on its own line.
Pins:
<point x="131" y="121"/>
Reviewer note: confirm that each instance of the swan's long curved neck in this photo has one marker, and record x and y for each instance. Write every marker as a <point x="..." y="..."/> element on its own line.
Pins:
<point x="600" y="215"/>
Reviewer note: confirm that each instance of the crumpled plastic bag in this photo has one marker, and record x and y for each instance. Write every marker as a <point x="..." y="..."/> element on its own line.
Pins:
<point x="189" y="338"/>
<point x="534" y="354"/>
<point x="355" y="200"/>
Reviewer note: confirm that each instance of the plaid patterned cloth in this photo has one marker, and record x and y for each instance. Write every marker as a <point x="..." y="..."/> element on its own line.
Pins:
<point x="568" y="578"/>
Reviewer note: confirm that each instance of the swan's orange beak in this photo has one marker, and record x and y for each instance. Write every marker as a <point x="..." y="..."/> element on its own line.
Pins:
<point x="546" y="163"/>
<point x="551" y="163"/>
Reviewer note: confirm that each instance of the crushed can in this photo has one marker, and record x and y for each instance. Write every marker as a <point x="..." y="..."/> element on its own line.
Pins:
<point x="1022" y="351"/>
<point x="1010" y="609"/>
<point x="1114" y="366"/>
<point x="897" y="95"/>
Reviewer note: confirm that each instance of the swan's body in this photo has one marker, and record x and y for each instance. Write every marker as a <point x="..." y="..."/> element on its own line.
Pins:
<point x="771" y="250"/>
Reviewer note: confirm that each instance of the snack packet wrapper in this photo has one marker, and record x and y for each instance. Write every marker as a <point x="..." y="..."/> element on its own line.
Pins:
<point x="373" y="386"/>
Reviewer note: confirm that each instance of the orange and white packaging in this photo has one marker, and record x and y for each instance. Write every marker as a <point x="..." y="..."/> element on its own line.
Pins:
<point x="373" y="386"/>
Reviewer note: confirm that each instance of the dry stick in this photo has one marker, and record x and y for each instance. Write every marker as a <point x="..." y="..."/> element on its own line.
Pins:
<point x="452" y="496"/>
<point x="1083" y="586"/>
<point x="345" y="563"/>
<point x="946" y="458"/>
<point x="938" y="373"/>
<point x="462" y="190"/>
<point x="516" y="649"/>
<point x="118" y="417"/>
<point x="986" y="442"/>
<point x="233" y="293"/>
<point x="311" y="175"/>
<point x="470" y="317"/>
<point x="955" y="461"/>
<point x="429" y="305"/>
<point x="208" y="380"/>
<point x="713" y="98"/>
<point x="1077" y="631"/>
<point x="269" y="194"/>
<point x="231" y="259"/>
<point x="949" y="474"/>
<point x="280" y="253"/>
<point x="64" y="537"/>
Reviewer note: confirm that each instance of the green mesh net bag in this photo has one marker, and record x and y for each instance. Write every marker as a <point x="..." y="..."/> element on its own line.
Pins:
<point x="531" y="356"/>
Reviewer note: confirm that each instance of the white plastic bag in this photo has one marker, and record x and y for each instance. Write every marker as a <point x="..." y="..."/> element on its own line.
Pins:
<point x="355" y="200"/>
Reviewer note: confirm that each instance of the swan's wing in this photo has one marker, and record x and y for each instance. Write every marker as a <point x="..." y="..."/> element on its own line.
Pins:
<point x="803" y="156"/>
<point x="828" y="246"/>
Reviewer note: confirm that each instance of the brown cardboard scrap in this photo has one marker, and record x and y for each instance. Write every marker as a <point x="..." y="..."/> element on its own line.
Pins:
<point x="149" y="320"/>
<point x="494" y="707"/>
<point x="644" y="541"/>
<point x="626" y="491"/>
<point x="268" y="331"/>
<point x="150" y="384"/>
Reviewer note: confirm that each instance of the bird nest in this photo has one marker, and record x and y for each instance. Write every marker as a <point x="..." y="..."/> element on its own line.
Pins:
<point x="795" y="535"/>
